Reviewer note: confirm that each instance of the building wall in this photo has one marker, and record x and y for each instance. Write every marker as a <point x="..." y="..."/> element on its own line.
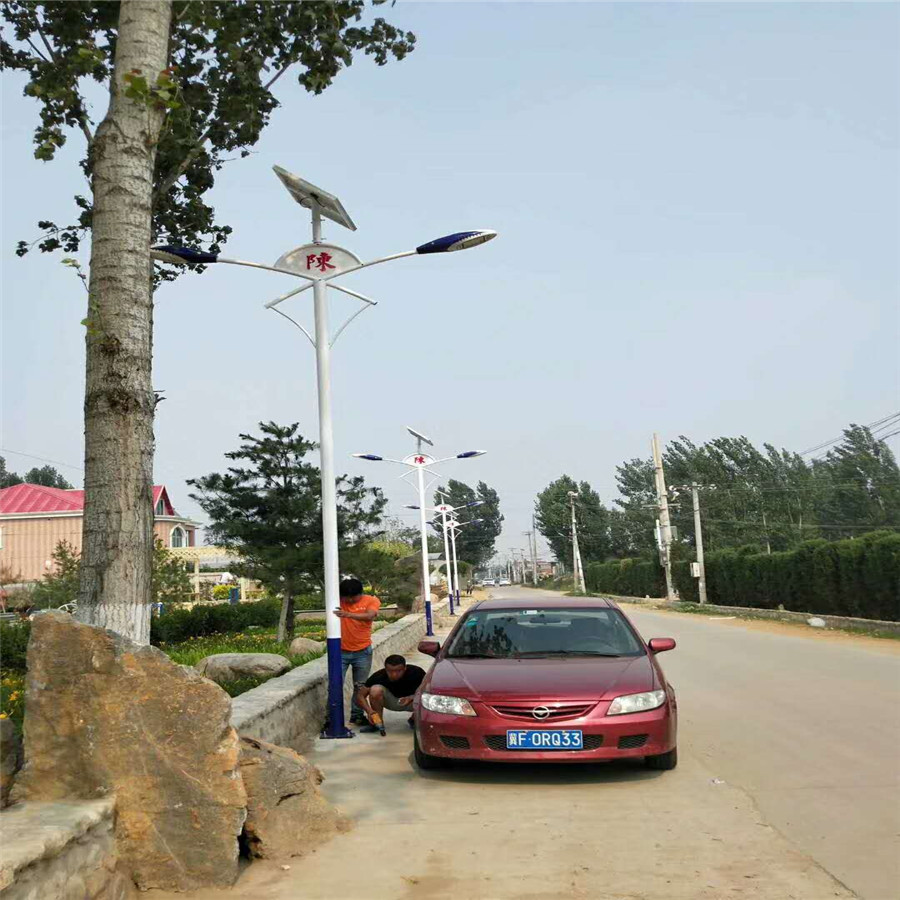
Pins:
<point x="29" y="543"/>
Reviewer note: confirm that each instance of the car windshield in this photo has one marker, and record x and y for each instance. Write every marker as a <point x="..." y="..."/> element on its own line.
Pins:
<point x="534" y="633"/>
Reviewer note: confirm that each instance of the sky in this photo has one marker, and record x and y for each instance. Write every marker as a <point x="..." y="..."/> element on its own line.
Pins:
<point x="698" y="209"/>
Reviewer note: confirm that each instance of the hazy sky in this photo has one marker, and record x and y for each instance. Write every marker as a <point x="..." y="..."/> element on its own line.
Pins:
<point x="699" y="233"/>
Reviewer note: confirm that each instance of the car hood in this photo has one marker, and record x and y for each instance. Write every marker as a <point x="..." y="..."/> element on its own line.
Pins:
<point x="542" y="679"/>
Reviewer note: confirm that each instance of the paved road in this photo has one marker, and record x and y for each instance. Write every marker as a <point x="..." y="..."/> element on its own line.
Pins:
<point x="787" y="787"/>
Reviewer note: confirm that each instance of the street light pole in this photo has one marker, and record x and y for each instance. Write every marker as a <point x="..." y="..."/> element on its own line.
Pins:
<point x="318" y="264"/>
<point x="447" y="559"/>
<point x="698" y="534"/>
<point x="576" y="553"/>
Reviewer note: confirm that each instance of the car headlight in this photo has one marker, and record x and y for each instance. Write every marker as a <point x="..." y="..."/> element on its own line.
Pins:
<point x="450" y="706"/>
<point x="634" y="703"/>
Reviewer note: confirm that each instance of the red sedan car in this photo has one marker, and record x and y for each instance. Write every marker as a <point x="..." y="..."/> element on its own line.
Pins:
<point x="545" y="680"/>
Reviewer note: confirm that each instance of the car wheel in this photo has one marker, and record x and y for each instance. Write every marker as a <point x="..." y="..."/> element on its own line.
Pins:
<point x="424" y="760"/>
<point x="664" y="762"/>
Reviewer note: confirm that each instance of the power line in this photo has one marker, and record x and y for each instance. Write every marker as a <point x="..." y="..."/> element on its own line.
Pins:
<point x="55" y="462"/>
<point x="871" y="425"/>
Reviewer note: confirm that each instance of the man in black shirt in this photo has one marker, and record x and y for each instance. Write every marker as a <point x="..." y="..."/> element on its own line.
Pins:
<point x="389" y="688"/>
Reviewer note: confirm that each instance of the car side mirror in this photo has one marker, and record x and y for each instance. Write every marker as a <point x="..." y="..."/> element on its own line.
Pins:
<point x="431" y="648"/>
<point x="660" y="645"/>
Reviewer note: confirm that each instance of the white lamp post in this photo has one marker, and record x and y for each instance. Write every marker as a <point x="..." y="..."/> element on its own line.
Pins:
<point x="419" y="462"/>
<point x="455" y="525"/>
<point x="446" y="510"/>
<point x="318" y="264"/>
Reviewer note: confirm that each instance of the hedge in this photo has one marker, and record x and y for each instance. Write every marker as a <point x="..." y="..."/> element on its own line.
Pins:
<point x="855" y="577"/>
<point x="176" y="625"/>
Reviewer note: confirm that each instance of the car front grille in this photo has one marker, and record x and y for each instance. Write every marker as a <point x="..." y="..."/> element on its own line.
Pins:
<point x="557" y="710"/>
<point x="452" y="742"/>
<point x="591" y="742"/>
<point x="632" y="741"/>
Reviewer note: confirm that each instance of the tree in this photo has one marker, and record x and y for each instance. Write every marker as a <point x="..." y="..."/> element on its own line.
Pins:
<point x="553" y="517"/>
<point x="268" y="511"/>
<point x="862" y="485"/>
<point x="7" y="478"/>
<point x="169" y="581"/>
<point x="189" y="85"/>
<point x="48" y="477"/>
<point x="475" y="542"/>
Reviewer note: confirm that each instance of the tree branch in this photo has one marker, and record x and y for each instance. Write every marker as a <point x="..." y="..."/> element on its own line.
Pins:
<point x="85" y="130"/>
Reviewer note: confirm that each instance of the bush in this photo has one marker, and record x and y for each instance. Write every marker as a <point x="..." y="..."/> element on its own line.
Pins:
<point x="855" y="577"/>
<point x="626" y="577"/>
<point x="13" y="644"/>
<point x="221" y="592"/>
<point x="176" y="625"/>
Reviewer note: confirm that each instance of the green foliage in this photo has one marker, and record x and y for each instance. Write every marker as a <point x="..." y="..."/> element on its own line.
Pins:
<point x="553" y="517"/>
<point x="475" y="542"/>
<point x="221" y="592"/>
<point x="176" y="625"/>
<point x="59" y="586"/>
<point x="169" y="581"/>
<point x="12" y="698"/>
<point x="216" y="91"/>
<point x="626" y="578"/>
<point x="267" y="510"/>
<point x="855" y="577"/>
<point x="45" y="475"/>
<point x="13" y="644"/>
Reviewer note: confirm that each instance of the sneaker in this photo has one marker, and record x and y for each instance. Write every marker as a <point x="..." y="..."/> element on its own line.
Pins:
<point x="367" y="729"/>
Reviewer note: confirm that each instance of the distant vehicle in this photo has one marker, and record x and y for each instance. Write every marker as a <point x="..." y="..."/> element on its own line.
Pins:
<point x="504" y="582"/>
<point x="489" y="582"/>
<point x="561" y="680"/>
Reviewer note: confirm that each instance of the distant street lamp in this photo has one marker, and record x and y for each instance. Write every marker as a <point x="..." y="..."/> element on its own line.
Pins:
<point x="319" y="263"/>
<point x="419" y="462"/>
<point x="455" y="525"/>
<point x="446" y="510"/>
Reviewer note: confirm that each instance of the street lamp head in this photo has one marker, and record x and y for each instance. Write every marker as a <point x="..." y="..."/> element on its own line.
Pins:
<point x="370" y="456"/>
<point x="475" y="503"/>
<point x="182" y="255"/>
<point x="461" y="240"/>
<point x="469" y="454"/>
<point x="408" y="506"/>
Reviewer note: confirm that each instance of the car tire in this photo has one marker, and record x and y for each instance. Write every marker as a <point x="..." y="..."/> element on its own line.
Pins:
<point x="664" y="762"/>
<point x="425" y="761"/>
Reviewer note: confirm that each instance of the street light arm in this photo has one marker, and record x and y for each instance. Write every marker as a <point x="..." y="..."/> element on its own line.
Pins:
<point x="327" y="278"/>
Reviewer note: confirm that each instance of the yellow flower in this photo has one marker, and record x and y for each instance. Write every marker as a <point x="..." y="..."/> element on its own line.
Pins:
<point x="3" y="715"/>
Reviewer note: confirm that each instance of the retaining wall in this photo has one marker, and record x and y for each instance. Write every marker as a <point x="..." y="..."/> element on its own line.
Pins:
<point x="290" y="709"/>
<point x="61" y="851"/>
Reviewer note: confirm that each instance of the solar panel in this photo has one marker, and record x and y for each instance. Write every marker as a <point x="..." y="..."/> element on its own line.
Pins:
<point x="307" y="194"/>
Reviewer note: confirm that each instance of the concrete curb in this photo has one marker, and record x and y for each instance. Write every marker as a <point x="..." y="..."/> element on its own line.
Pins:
<point x="846" y="623"/>
<point x="291" y="708"/>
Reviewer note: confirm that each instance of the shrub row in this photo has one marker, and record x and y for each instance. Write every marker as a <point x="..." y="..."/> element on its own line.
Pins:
<point x="627" y="577"/>
<point x="856" y="577"/>
<point x="13" y="644"/>
<point x="176" y="625"/>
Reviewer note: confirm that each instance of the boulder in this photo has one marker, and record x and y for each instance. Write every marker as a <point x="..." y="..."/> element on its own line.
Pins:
<point x="286" y="812"/>
<point x="10" y="758"/>
<point x="302" y="645"/>
<point x="105" y="716"/>
<point x="228" y="666"/>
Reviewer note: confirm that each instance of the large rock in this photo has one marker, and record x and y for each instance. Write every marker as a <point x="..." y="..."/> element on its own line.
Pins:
<point x="229" y="666"/>
<point x="286" y="812"/>
<point x="301" y="646"/>
<point x="10" y="758"/>
<point x="106" y="716"/>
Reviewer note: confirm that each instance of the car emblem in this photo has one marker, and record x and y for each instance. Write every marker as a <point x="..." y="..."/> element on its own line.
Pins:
<point x="540" y="712"/>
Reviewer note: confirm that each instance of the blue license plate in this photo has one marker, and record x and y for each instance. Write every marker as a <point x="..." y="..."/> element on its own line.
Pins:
<point x="544" y="739"/>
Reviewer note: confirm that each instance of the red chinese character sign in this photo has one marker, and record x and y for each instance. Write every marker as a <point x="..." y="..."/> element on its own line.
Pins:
<point x="443" y="508"/>
<point x="319" y="260"/>
<point x="419" y="460"/>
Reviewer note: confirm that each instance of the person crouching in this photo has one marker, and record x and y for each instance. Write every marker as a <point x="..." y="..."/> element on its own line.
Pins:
<point x="391" y="688"/>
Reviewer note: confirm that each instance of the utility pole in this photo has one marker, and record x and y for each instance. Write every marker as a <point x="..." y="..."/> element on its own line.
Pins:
<point x="577" y="570"/>
<point x="665" y="525"/>
<point x="698" y="536"/>
<point x="532" y="548"/>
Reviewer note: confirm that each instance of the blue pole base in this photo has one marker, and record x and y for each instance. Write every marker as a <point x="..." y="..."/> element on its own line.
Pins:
<point x="335" y="729"/>
<point x="451" y="604"/>
<point x="429" y="625"/>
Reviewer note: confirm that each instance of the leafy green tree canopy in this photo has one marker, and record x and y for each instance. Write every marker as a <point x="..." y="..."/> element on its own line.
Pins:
<point x="475" y="542"/>
<point x="267" y="509"/>
<point x="553" y="517"/>
<point x="224" y="60"/>
<point x="45" y="475"/>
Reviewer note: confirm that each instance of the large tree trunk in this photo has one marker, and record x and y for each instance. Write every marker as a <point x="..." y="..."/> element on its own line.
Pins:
<point x="286" y="618"/>
<point x="119" y="400"/>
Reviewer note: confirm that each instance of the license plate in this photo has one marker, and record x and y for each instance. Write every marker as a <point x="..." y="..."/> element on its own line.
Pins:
<point x="544" y="739"/>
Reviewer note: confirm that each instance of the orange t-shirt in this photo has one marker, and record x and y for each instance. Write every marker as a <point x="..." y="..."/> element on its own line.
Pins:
<point x="357" y="635"/>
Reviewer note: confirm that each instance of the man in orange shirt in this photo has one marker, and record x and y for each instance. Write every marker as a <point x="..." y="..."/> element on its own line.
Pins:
<point x="357" y="612"/>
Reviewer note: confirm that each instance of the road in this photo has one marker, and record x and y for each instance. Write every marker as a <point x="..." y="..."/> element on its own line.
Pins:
<point x="787" y="787"/>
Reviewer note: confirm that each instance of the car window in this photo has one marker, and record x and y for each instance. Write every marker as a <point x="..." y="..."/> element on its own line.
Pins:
<point x="535" y="632"/>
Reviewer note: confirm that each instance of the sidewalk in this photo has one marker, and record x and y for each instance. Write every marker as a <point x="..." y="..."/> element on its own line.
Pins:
<point x="494" y="832"/>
